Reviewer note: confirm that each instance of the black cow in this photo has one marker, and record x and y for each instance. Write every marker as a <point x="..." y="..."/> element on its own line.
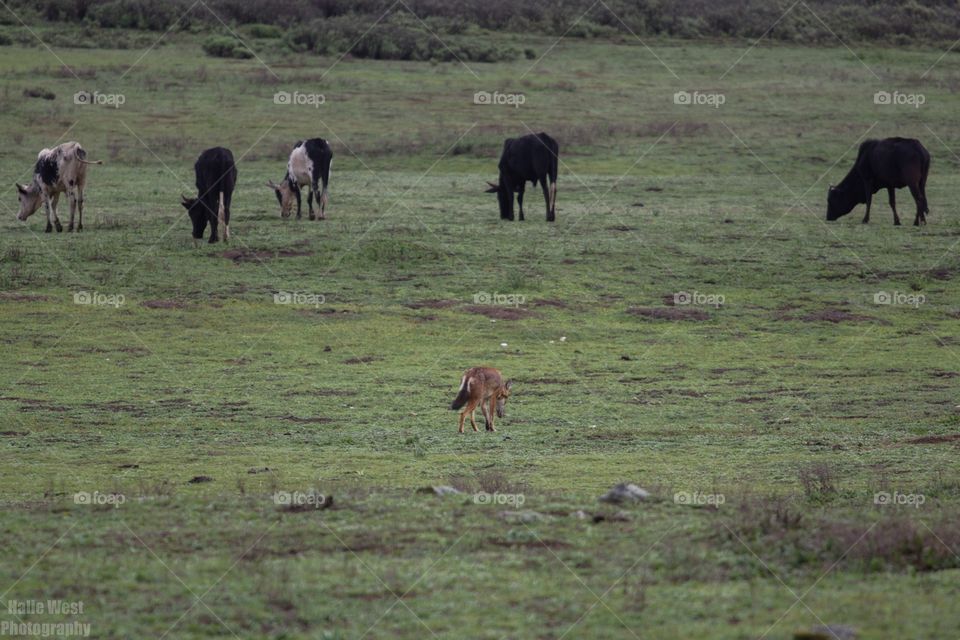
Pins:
<point x="883" y="164"/>
<point x="531" y="158"/>
<point x="309" y="164"/>
<point x="216" y="179"/>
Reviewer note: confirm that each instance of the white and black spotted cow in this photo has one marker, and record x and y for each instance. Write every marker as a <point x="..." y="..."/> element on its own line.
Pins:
<point x="62" y="169"/>
<point x="308" y="165"/>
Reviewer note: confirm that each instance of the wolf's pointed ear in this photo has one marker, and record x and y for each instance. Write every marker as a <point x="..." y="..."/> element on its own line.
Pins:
<point x="494" y="187"/>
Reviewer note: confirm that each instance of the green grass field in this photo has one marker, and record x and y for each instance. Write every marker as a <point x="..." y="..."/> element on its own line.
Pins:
<point x="198" y="398"/>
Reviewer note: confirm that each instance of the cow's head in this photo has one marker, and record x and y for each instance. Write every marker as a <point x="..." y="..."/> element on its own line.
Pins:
<point x="502" y="399"/>
<point x="286" y="195"/>
<point x="29" y="196"/>
<point x="839" y="203"/>
<point x="198" y="213"/>
<point x="504" y="198"/>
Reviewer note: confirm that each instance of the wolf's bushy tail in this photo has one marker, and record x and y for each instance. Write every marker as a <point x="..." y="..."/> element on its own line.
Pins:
<point x="462" y="396"/>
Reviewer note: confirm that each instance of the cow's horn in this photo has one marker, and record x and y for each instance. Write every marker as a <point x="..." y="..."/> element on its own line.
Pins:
<point x="184" y="198"/>
<point x="493" y="184"/>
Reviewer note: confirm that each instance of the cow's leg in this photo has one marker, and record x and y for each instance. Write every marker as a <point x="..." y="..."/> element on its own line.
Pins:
<point x="553" y="202"/>
<point x="921" y="205"/>
<point x="869" y="191"/>
<point x="49" y="211"/>
<point x="299" y="203"/>
<point x="220" y="217"/>
<point x="227" y="197"/>
<point x="79" y="210"/>
<point x="892" y="194"/>
<point x="53" y="206"/>
<point x="312" y="216"/>
<point x="520" y="198"/>
<point x="212" y="219"/>
<point x="72" y="195"/>
<point x="547" y="199"/>
<point x="323" y="203"/>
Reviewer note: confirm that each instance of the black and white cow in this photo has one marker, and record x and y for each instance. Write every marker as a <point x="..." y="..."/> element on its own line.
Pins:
<point x="532" y="158"/>
<point x="309" y="164"/>
<point x="216" y="179"/>
<point x="62" y="169"/>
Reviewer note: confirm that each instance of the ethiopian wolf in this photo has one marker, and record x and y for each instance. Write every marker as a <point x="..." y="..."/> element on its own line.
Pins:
<point x="62" y="169"/>
<point x="482" y="386"/>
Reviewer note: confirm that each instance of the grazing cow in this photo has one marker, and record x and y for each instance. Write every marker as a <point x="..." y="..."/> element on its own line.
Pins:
<point x="309" y="162"/>
<point x="883" y="164"/>
<point x="58" y="170"/>
<point x="216" y="178"/>
<point x="531" y="158"/>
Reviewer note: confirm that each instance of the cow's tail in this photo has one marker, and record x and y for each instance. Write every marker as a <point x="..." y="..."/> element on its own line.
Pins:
<point x="463" y="395"/>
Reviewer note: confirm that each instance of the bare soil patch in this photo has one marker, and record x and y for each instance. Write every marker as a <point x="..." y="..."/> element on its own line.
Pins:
<point x="670" y="313"/>
<point x="499" y="313"/>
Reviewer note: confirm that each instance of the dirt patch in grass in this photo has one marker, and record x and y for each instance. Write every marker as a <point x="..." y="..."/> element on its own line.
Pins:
<point x="953" y="437"/>
<point x="499" y="313"/>
<point x="548" y="381"/>
<point x="551" y="302"/>
<point x="23" y="297"/>
<point x="621" y="227"/>
<point x="251" y="255"/>
<point x="835" y="315"/>
<point x="362" y="360"/>
<point x="164" y="304"/>
<point x="670" y="313"/>
<point x="432" y="304"/>
<point x="530" y="544"/>
<point x="13" y="434"/>
<point x="199" y="479"/>
<point x="299" y="420"/>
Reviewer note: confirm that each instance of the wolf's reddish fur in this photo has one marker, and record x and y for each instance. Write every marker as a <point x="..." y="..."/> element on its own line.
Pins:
<point x="483" y="386"/>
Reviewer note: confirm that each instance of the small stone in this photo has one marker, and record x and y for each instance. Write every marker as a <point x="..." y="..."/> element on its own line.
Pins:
<point x="624" y="492"/>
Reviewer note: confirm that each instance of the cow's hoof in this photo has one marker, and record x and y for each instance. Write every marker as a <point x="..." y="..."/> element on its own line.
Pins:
<point x="59" y="227"/>
<point x="69" y="228"/>
<point x="79" y="228"/>
<point x="896" y="223"/>
<point x="49" y="228"/>
<point x="313" y="217"/>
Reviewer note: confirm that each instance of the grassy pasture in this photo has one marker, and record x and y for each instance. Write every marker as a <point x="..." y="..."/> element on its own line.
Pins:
<point x="796" y="400"/>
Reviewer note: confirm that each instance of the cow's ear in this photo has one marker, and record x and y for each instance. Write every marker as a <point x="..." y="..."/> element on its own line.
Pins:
<point x="20" y="187"/>
<point x="185" y="202"/>
<point x="494" y="187"/>
<point x="272" y="185"/>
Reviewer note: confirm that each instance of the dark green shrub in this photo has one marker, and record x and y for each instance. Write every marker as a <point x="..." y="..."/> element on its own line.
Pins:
<point x="226" y="47"/>
<point x="264" y="31"/>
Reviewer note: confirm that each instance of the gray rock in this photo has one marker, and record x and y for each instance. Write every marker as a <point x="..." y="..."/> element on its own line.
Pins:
<point x="624" y="492"/>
